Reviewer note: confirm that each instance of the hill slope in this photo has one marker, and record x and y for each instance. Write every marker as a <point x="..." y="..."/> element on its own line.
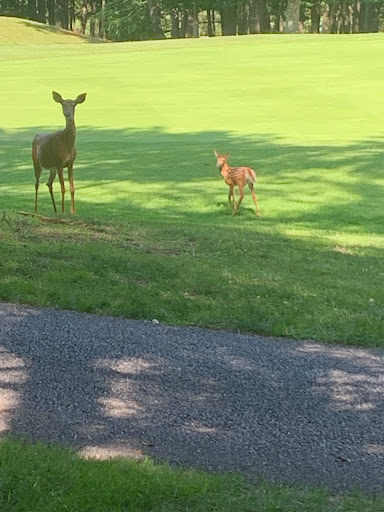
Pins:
<point x="22" y="31"/>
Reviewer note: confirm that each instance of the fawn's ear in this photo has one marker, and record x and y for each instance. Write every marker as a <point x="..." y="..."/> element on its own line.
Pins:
<point x="226" y="155"/>
<point x="80" y="98"/>
<point x="216" y="153"/>
<point x="57" y="97"/>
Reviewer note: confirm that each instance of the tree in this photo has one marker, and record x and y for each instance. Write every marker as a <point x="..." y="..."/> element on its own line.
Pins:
<point x="155" y="19"/>
<point x="124" y="20"/>
<point x="127" y="20"/>
<point x="258" y="21"/>
<point x="292" y="17"/>
<point x="228" y="17"/>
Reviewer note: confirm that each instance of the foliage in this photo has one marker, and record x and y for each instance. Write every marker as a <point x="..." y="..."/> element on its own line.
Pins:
<point x="149" y="19"/>
<point x="127" y="20"/>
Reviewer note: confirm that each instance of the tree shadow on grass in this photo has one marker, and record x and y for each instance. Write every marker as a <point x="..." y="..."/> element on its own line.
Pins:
<point x="324" y="187"/>
<point x="158" y="191"/>
<point x="40" y="27"/>
<point x="298" y="413"/>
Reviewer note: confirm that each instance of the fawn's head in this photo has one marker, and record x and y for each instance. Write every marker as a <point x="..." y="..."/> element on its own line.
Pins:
<point x="221" y="159"/>
<point x="69" y="105"/>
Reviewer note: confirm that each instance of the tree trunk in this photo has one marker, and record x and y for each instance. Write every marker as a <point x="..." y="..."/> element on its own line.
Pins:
<point x="72" y="15"/>
<point x="257" y="17"/>
<point x="51" y="11"/>
<point x="102" y="33"/>
<point x="92" y="27"/>
<point x="292" y="17"/>
<point x="356" y="18"/>
<point x="333" y="17"/>
<point x="369" y="20"/>
<point x="175" y="22"/>
<point x="228" y="20"/>
<point x="84" y="17"/>
<point x="279" y="22"/>
<point x="155" y="17"/>
<point x="259" y="22"/>
<point x="315" y="19"/>
<point x="344" y="24"/>
<point x="325" y="23"/>
<point x="184" y="23"/>
<point x="62" y="13"/>
<point x="92" y="21"/>
<point x="363" y="18"/>
<point x="195" y="20"/>
<point x="32" y="11"/>
<point x="242" y="20"/>
<point x="211" y="23"/>
<point x="41" y="11"/>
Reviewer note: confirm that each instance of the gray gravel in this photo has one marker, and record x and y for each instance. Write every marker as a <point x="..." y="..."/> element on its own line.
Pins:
<point x="289" y="411"/>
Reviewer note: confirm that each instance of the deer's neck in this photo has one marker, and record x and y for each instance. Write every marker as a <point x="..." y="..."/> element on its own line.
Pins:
<point x="69" y="132"/>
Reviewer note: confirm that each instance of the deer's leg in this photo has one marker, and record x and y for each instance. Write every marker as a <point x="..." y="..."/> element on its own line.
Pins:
<point x="254" y="197"/>
<point x="62" y="184"/>
<point x="241" y="198"/>
<point x="50" y="181"/>
<point x="37" y="167"/>
<point x="72" y="187"/>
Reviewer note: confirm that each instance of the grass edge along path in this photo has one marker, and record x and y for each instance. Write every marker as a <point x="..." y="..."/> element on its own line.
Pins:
<point x="37" y="478"/>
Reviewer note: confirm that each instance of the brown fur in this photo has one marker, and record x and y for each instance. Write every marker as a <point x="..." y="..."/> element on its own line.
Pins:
<point x="56" y="151"/>
<point x="236" y="177"/>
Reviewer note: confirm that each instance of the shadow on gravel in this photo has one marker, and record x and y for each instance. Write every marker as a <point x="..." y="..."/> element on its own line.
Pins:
<point x="292" y="412"/>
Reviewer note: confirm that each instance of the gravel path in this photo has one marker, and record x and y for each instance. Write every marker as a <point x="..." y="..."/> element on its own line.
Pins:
<point x="293" y="412"/>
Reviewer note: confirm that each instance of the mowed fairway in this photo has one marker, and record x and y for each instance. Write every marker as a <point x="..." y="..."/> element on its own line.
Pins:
<point x="158" y="240"/>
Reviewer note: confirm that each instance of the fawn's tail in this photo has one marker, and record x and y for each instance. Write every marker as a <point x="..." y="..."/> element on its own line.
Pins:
<point x="250" y="176"/>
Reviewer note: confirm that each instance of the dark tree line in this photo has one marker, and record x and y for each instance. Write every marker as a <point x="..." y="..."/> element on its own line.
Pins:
<point x="121" y="20"/>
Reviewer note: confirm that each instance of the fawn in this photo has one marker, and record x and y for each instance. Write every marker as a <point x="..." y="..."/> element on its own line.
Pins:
<point x="55" y="151"/>
<point x="236" y="177"/>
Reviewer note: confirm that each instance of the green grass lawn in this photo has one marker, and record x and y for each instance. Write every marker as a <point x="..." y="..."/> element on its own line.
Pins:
<point x="158" y="240"/>
<point x="50" y="479"/>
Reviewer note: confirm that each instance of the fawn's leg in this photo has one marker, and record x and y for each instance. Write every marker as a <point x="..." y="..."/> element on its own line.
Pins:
<point x="50" y="181"/>
<point x="229" y="199"/>
<point x="254" y="198"/>
<point x="232" y="192"/>
<point x="72" y="187"/>
<point x="241" y="198"/>
<point x="37" y="167"/>
<point x="62" y="184"/>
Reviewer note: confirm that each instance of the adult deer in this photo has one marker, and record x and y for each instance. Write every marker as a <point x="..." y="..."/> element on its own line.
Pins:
<point x="236" y="177"/>
<point x="56" y="151"/>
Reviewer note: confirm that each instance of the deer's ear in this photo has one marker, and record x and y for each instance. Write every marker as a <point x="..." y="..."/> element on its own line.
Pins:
<point x="226" y="155"/>
<point x="57" y="97"/>
<point x="80" y="98"/>
<point x="215" y="153"/>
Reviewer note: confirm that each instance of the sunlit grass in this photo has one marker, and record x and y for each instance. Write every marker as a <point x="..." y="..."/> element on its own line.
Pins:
<point x="154" y="205"/>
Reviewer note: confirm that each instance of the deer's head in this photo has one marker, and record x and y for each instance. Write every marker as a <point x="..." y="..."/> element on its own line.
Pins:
<point x="221" y="159"/>
<point x="69" y="105"/>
